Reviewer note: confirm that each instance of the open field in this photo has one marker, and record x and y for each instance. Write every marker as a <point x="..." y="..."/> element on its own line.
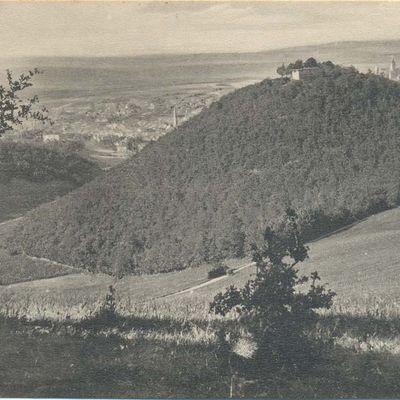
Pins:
<point x="361" y="260"/>
<point x="62" y="361"/>
<point x="71" y="356"/>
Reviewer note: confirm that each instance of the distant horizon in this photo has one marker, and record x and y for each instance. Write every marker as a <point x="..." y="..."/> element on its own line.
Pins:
<point x="375" y="41"/>
<point x="132" y="29"/>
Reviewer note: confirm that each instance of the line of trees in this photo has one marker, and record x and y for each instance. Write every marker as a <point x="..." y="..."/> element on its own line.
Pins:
<point x="299" y="64"/>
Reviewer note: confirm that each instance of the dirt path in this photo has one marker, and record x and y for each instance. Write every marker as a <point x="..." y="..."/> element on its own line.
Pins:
<point x="10" y="221"/>
<point x="209" y="282"/>
<point x="51" y="262"/>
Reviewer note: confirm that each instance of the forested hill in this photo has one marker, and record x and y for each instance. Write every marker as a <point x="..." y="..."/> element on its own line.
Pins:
<point x="33" y="174"/>
<point x="39" y="163"/>
<point x="328" y="146"/>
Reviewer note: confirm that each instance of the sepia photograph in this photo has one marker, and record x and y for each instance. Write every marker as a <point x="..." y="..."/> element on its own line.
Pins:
<point x="200" y="199"/>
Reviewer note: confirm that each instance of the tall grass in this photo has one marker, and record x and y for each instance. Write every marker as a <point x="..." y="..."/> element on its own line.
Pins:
<point x="176" y="339"/>
<point x="365" y="323"/>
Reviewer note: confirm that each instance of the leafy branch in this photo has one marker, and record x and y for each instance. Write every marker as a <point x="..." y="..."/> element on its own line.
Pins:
<point x="14" y="109"/>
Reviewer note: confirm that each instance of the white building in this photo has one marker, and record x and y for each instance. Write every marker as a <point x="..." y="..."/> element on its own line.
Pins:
<point x="51" y="137"/>
<point x="394" y="72"/>
<point x="304" y="73"/>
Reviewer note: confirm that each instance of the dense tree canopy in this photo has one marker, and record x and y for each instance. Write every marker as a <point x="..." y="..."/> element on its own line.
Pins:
<point x="327" y="146"/>
<point x="40" y="163"/>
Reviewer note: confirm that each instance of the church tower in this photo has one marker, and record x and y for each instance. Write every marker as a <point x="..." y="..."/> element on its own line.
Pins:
<point x="174" y="118"/>
<point x="392" y="69"/>
<point x="393" y="65"/>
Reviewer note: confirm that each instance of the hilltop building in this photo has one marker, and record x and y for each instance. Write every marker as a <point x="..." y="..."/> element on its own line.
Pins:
<point x="304" y="73"/>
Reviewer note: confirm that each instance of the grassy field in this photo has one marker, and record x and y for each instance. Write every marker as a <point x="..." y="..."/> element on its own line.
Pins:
<point x="160" y="351"/>
<point x="58" y="353"/>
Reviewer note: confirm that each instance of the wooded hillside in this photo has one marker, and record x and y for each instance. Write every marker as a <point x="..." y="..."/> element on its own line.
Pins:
<point x="34" y="174"/>
<point x="327" y="146"/>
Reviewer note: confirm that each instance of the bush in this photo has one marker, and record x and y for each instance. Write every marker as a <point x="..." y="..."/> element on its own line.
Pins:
<point x="219" y="269"/>
<point x="279" y="317"/>
<point x="106" y="316"/>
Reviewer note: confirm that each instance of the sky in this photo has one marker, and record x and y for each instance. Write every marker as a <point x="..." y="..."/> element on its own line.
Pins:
<point x="133" y="28"/>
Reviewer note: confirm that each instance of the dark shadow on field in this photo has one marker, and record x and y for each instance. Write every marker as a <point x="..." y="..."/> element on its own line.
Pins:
<point x="321" y="233"/>
<point x="344" y="374"/>
<point x="164" y="324"/>
<point x="362" y="326"/>
<point x="40" y="361"/>
<point x="105" y="322"/>
<point x="36" y="362"/>
<point x="359" y="326"/>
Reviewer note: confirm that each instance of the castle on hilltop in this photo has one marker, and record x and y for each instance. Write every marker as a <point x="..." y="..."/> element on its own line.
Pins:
<point x="392" y="73"/>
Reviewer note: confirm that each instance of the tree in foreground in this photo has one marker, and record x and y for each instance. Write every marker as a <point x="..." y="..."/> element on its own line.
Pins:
<point x="279" y="308"/>
<point x="14" y="109"/>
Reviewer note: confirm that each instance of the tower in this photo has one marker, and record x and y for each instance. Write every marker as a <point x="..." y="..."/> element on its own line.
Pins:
<point x="393" y="69"/>
<point x="174" y="118"/>
<point x="392" y="65"/>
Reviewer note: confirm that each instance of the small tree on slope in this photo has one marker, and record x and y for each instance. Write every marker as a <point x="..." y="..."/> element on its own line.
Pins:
<point x="13" y="109"/>
<point x="277" y="308"/>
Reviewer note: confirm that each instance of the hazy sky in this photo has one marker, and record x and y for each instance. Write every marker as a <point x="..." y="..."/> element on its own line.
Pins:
<point x="130" y="28"/>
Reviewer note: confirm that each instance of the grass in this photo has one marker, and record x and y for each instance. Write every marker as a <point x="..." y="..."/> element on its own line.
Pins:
<point x="167" y="346"/>
<point x="69" y="366"/>
<point x="162" y="351"/>
<point x="24" y="269"/>
<point x="361" y="260"/>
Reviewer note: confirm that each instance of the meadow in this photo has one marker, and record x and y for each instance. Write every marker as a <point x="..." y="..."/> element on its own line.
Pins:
<point x="168" y="348"/>
<point x="58" y="344"/>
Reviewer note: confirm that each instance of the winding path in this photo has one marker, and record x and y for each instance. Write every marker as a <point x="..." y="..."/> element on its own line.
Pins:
<point x="209" y="282"/>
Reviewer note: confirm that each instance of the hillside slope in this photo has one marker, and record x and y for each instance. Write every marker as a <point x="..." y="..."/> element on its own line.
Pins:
<point x="33" y="174"/>
<point x="328" y="147"/>
<point x="361" y="263"/>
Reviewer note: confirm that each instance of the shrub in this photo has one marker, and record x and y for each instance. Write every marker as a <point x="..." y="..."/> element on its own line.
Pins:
<point x="279" y="316"/>
<point x="106" y="316"/>
<point x="217" y="270"/>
